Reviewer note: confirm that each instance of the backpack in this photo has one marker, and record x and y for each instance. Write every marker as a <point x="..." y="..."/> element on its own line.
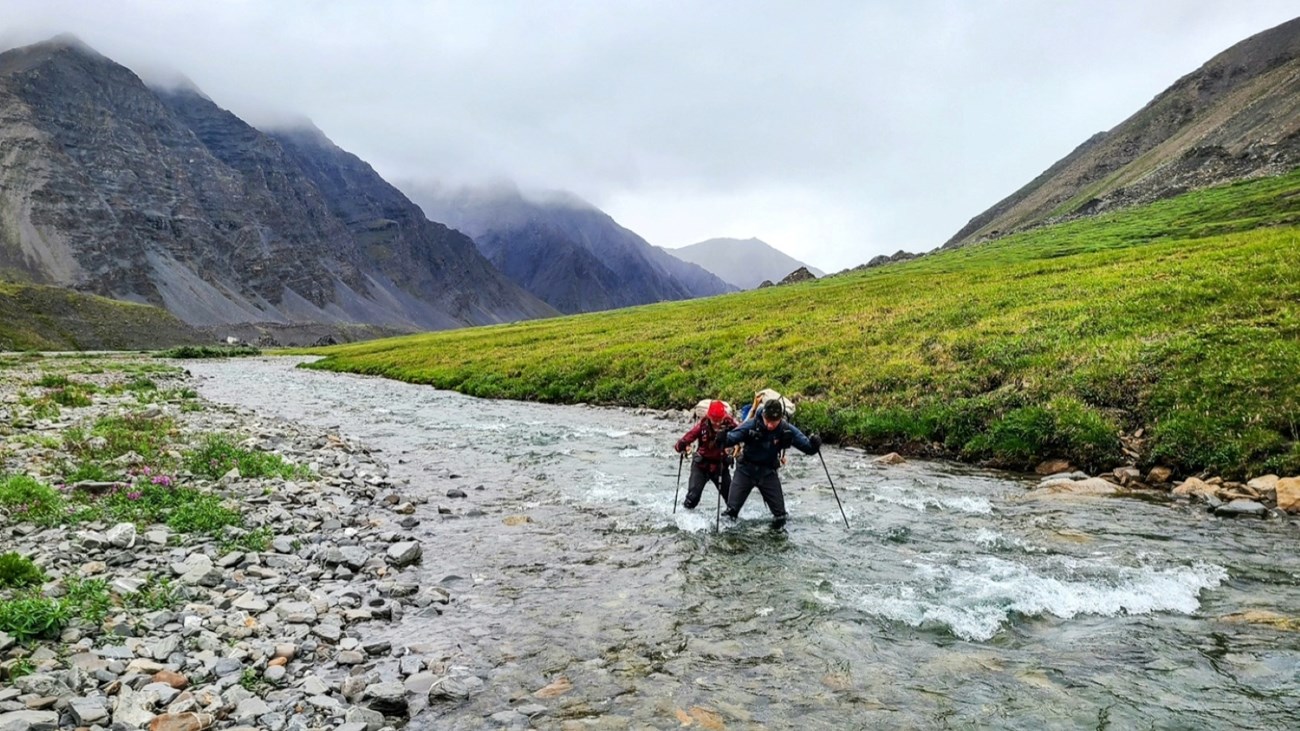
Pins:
<point x="702" y="408"/>
<point x="767" y="394"/>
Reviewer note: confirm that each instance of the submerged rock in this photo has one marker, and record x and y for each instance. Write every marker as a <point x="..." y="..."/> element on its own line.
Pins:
<point x="1090" y="486"/>
<point x="1242" y="507"/>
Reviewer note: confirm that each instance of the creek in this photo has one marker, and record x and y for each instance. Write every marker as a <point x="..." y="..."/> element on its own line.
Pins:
<point x="953" y="601"/>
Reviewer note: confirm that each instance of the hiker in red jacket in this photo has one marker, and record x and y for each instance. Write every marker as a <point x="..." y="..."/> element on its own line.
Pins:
<point x="711" y="462"/>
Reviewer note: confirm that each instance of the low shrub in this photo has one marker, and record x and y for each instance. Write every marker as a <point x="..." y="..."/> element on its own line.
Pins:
<point x="17" y="571"/>
<point x="122" y="434"/>
<point x="218" y="454"/>
<point x="24" y="499"/>
<point x="88" y="472"/>
<point x="202" y="513"/>
<point x="88" y="599"/>
<point x="156" y="594"/>
<point x="209" y="351"/>
<point x="52" y="380"/>
<point x="141" y="384"/>
<point x="71" y="397"/>
<point x="29" y="617"/>
<point x="44" y="408"/>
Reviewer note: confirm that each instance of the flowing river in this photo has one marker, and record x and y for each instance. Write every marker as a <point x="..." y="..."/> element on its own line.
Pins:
<point x="952" y="601"/>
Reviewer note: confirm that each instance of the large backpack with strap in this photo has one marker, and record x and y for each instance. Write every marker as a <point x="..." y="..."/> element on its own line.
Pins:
<point x="767" y="394"/>
<point x="702" y="408"/>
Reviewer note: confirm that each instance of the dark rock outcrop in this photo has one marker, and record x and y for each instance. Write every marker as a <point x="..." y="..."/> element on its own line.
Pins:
<point x="1236" y="117"/>
<point x="162" y="197"/>
<point x="799" y="275"/>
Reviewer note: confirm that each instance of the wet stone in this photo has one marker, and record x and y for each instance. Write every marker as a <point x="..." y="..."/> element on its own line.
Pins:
<point x="1242" y="507"/>
<point x="404" y="553"/>
<point x="29" y="721"/>
<point x="410" y="665"/>
<point x="329" y="632"/>
<point x="88" y="711"/>
<point x="350" y="657"/>
<point x="227" y="666"/>
<point x="387" y="698"/>
<point x="509" y="718"/>
<point x="377" y="647"/>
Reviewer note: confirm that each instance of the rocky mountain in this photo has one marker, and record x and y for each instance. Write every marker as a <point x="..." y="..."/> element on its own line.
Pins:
<point x="163" y="197"/>
<point x="1236" y="117"/>
<point x="566" y="251"/>
<point x="742" y="262"/>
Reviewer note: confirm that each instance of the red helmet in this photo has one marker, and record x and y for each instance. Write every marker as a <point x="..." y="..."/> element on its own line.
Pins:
<point x="717" y="411"/>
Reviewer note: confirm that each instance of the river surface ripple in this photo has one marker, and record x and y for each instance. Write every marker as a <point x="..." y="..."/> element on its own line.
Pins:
<point x="952" y="602"/>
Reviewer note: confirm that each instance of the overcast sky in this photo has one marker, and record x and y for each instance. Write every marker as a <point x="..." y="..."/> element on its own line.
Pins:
<point x="834" y="130"/>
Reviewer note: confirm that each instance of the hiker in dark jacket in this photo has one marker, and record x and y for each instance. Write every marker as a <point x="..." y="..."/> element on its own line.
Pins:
<point x="765" y="435"/>
<point x="710" y="463"/>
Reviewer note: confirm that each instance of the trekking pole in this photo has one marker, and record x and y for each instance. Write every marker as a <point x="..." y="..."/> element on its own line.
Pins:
<point x="834" y="491"/>
<point x="680" y="458"/>
<point x="717" y="521"/>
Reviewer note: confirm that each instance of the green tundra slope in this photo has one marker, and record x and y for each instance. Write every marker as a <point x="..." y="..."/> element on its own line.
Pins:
<point x="1175" y="326"/>
<point x="34" y="317"/>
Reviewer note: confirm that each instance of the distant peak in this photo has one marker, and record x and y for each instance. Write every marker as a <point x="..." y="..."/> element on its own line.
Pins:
<point x="70" y="42"/>
<point x="559" y="199"/>
<point x="62" y="46"/>
<point x="65" y="42"/>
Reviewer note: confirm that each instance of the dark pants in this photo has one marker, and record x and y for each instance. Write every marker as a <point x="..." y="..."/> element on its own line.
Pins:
<point x="749" y="476"/>
<point x="703" y="471"/>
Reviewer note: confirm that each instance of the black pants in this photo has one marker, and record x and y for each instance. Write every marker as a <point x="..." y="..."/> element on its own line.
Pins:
<point x="749" y="476"/>
<point x="703" y="471"/>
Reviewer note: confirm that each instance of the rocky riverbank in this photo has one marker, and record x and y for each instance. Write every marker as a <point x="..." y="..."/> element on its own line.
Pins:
<point x="1266" y="496"/>
<point x="170" y="564"/>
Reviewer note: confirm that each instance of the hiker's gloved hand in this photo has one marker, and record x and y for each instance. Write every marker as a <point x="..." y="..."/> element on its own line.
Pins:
<point x="679" y="447"/>
<point x="721" y="440"/>
<point x="816" y="442"/>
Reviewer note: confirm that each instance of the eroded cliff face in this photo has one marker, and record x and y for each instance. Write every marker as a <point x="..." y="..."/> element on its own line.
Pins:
<point x="161" y="196"/>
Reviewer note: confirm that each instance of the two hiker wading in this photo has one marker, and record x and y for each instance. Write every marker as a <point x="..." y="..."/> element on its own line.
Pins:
<point x="762" y="439"/>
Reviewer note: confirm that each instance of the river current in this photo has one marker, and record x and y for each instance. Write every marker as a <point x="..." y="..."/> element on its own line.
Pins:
<point x="952" y="601"/>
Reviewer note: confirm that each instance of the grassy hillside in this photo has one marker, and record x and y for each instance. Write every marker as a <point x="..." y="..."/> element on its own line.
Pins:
<point x="1180" y="319"/>
<point x="48" y="318"/>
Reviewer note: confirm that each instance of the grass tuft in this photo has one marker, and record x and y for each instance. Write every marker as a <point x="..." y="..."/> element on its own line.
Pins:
<point x="218" y="454"/>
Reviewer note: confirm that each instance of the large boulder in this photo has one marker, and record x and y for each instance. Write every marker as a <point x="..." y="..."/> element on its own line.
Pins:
<point x="1195" y="487"/>
<point x="1089" y="486"/>
<point x="1053" y="466"/>
<point x="1288" y="494"/>
<point x="1159" y="475"/>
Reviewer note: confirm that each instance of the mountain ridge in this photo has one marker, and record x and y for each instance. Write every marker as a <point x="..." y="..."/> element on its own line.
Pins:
<point x="160" y="196"/>
<point x="1235" y="117"/>
<point x="566" y="251"/>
